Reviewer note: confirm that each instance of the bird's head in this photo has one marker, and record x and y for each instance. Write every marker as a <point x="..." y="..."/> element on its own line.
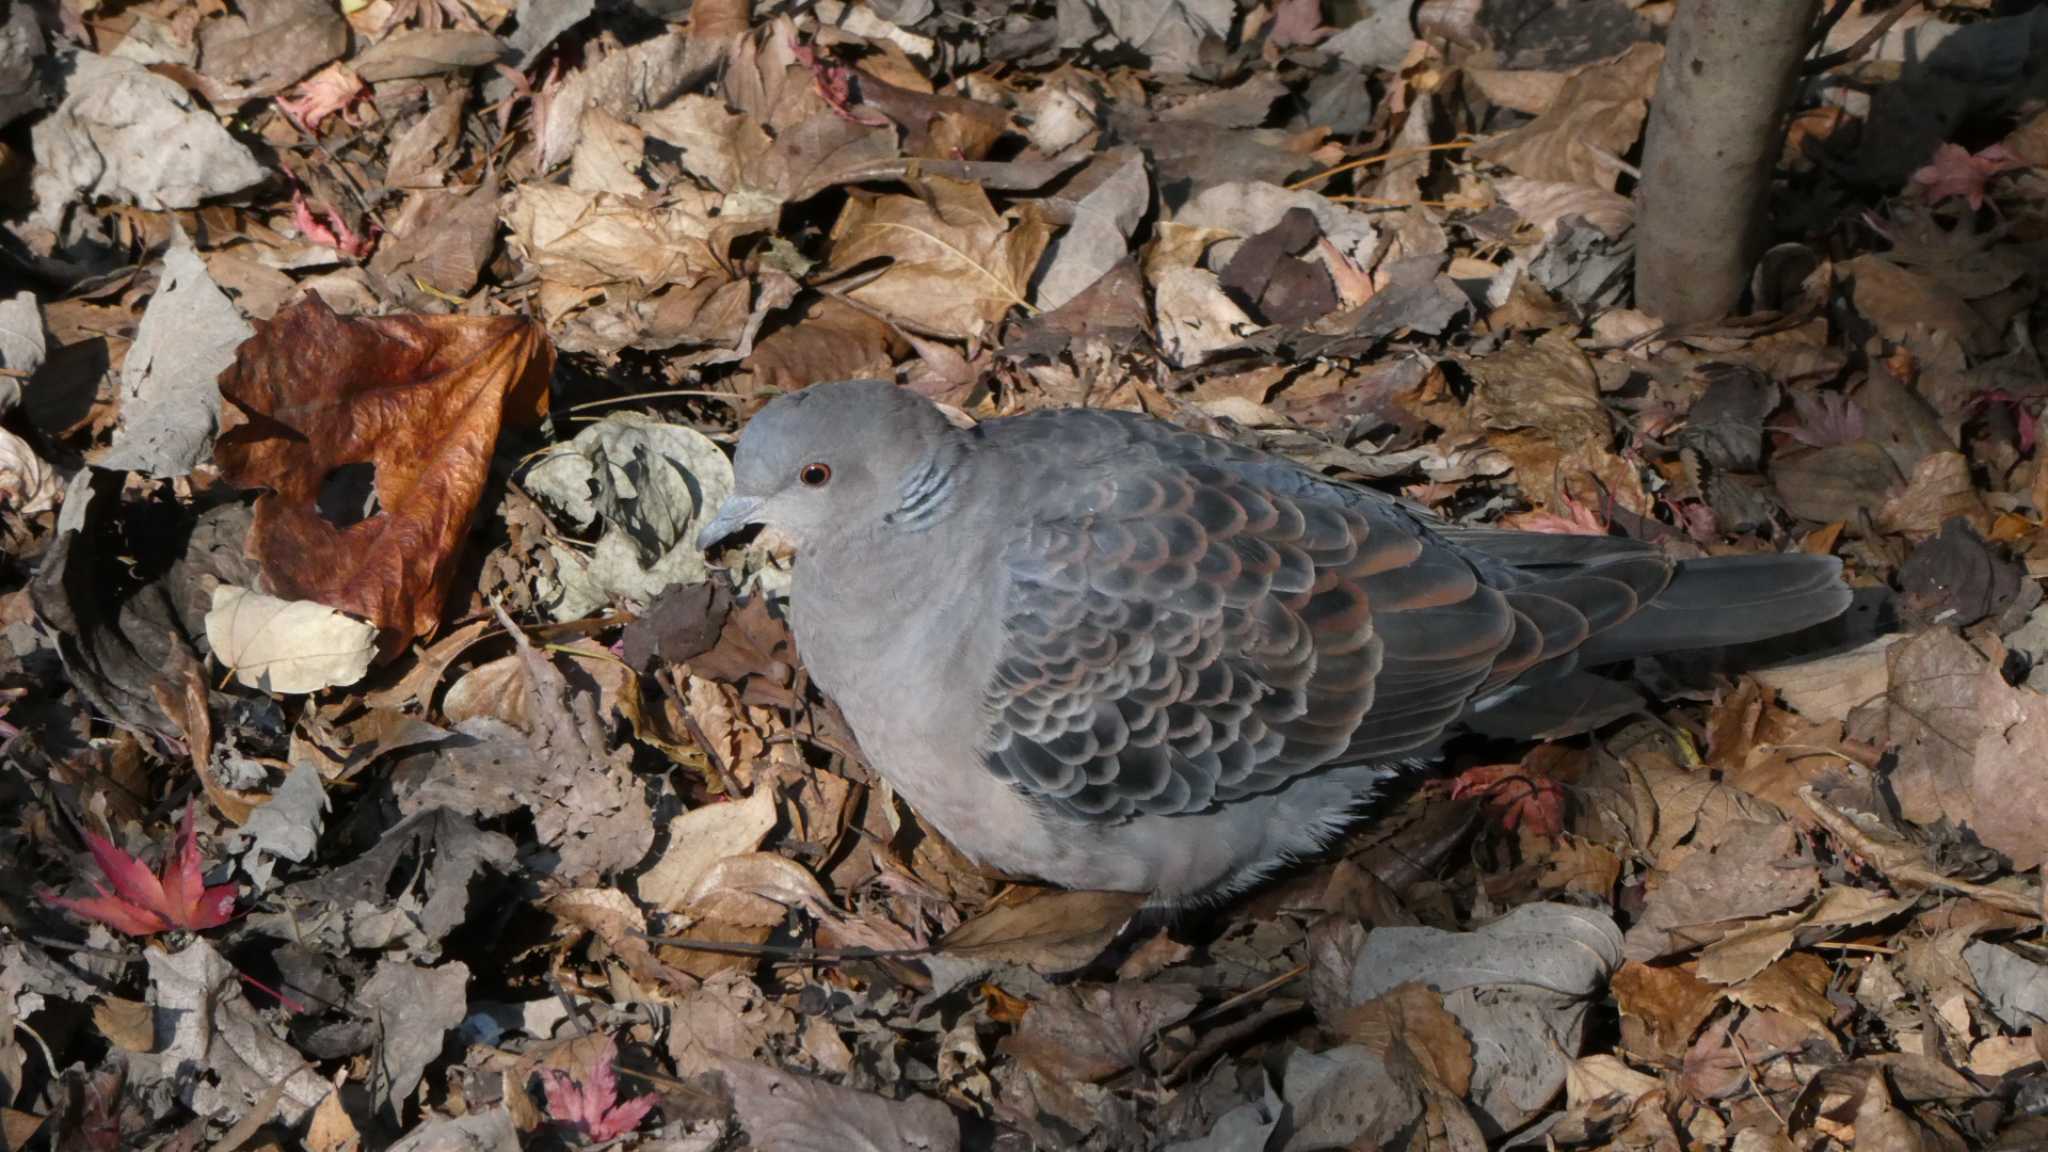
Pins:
<point x="829" y="460"/>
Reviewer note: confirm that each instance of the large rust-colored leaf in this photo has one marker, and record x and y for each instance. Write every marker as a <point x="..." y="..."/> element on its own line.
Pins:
<point x="419" y="398"/>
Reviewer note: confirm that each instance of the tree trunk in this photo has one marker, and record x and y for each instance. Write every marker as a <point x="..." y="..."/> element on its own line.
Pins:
<point x="1730" y="70"/>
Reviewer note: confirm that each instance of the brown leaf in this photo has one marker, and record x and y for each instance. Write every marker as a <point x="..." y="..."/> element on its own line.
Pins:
<point x="831" y="340"/>
<point x="1970" y="745"/>
<point x="1939" y="488"/>
<point x="1594" y="119"/>
<point x="1661" y="1008"/>
<point x="1056" y="931"/>
<point x="440" y="241"/>
<point x="1753" y="872"/>
<point x="955" y="267"/>
<point x="799" y="1114"/>
<point x="421" y="398"/>
<point x="1090" y="1033"/>
<point x="267" y="44"/>
<point x="616" y="272"/>
<point x="1902" y="303"/>
<point x="1411" y="1024"/>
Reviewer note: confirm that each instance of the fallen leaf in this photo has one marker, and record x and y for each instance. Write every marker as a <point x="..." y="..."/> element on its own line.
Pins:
<point x="28" y="485"/>
<point x="264" y="45"/>
<point x="700" y="838"/>
<point x="649" y="485"/>
<point x="141" y="904"/>
<point x="124" y="133"/>
<point x="419" y="399"/>
<point x="414" y="1007"/>
<point x="287" y="647"/>
<point x="1054" y="931"/>
<point x="955" y="268"/>
<point x="616" y="273"/>
<point x="1089" y="1034"/>
<point x="1593" y="121"/>
<point x="799" y="1114"/>
<point x="589" y="1105"/>
<point x="1956" y="171"/>
<point x="170" y="403"/>
<point x="1968" y="745"/>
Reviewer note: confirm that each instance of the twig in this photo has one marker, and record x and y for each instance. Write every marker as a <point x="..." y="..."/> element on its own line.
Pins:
<point x="1863" y="43"/>
<point x="1755" y="1088"/>
<point x="725" y="776"/>
<point x="662" y="394"/>
<point x="666" y="1083"/>
<point x="1384" y="202"/>
<point x="796" y="952"/>
<point x="1381" y="158"/>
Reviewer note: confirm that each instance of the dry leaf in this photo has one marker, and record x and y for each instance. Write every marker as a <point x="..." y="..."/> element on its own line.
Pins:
<point x="1594" y="119"/>
<point x="702" y="837"/>
<point x="955" y="268"/>
<point x="1055" y="931"/>
<point x="418" y="399"/>
<point x="287" y="647"/>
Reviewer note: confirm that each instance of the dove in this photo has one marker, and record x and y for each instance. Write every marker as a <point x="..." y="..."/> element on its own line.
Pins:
<point x="1107" y="652"/>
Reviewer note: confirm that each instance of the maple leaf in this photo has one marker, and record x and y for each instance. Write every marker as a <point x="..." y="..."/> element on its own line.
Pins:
<point x="333" y="89"/>
<point x="835" y="85"/>
<point x="1955" y="171"/>
<point x="1516" y="797"/>
<point x="420" y="400"/>
<point x="1825" y="419"/>
<point x="335" y="234"/>
<point x="144" y="905"/>
<point x="591" y="1106"/>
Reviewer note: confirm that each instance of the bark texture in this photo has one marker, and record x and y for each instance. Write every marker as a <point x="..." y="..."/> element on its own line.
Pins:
<point x="1729" y="72"/>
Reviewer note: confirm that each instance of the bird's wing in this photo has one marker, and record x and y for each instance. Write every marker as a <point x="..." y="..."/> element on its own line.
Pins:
<point x="1185" y="626"/>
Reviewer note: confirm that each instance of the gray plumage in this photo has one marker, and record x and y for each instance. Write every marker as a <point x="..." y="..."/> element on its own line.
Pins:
<point x="1098" y="649"/>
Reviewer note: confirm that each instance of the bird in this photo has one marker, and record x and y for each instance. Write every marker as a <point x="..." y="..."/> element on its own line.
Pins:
<point x="1107" y="652"/>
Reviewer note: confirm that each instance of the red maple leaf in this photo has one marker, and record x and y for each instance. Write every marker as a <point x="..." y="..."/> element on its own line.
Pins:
<point x="591" y="1106"/>
<point x="1954" y="171"/>
<point x="1515" y="796"/>
<point x="144" y="905"/>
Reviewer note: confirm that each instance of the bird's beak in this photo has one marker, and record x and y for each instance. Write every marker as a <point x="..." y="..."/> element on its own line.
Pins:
<point x="736" y="513"/>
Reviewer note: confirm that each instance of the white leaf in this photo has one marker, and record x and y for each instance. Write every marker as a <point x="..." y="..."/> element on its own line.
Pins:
<point x="287" y="646"/>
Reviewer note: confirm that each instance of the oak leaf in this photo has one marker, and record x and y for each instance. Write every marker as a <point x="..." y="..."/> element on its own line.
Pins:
<point x="420" y="399"/>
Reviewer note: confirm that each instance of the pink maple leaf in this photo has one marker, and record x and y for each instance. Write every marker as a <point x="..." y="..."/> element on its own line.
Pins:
<point x="334" y="233"/>
<point x="143" y="905"/>
<point x="330" y="90"/>
<point x="1579" y="520"/>
<point x="1825" y="419"/>
<point x="1297" y="22"/>
<point x="1954" y="171"/>
<point x="591" y="1106"/>
<point x="835" y="84"/>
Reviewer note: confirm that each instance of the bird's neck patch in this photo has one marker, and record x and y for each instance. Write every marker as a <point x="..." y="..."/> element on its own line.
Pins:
<point x="927" y="489"/>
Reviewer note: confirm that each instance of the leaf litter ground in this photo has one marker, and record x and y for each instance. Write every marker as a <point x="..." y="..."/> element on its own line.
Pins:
<point x="385" y="768"/>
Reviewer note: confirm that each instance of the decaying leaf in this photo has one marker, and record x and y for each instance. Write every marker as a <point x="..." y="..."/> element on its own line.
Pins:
<point x="415" y="401"/>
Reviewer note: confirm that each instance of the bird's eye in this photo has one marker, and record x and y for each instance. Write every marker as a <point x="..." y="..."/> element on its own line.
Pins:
<point x="814" y="475"/>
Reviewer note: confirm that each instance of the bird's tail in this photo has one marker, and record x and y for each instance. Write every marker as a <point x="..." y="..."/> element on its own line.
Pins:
<point x="1726" y="600"/>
